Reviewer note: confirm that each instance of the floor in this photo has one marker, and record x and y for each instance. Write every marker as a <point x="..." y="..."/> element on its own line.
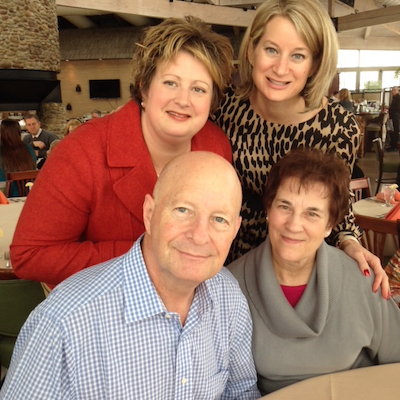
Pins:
<point x="370" y="166"/>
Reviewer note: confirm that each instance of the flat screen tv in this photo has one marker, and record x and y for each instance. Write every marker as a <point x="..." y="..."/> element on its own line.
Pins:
<point x="104" y="89"/>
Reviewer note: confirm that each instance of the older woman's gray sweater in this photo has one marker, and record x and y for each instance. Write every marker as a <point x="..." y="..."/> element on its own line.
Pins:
<point x="338" y="324"/>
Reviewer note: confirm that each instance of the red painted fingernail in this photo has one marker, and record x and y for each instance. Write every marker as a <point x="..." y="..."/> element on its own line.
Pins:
<point x="366" y="272"/>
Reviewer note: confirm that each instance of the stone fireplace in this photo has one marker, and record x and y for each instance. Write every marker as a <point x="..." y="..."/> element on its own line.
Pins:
<point x="30" y="61"/>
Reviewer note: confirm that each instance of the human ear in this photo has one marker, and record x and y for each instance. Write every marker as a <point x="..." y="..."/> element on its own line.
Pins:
<point x="148" y="208"/>
<point x="328" y="231"/>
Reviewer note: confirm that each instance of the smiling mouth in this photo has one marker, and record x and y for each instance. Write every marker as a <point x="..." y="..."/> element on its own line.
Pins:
<point x="277" y="83"/>
<point x="178" y="115"/>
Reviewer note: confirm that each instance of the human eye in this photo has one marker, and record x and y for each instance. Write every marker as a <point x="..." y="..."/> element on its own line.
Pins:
<point x="199" y="90"/>
<point x="181" y="210"/>
<point x="220" y="220"/>
<point x="313" y="214"/>
<point x="270" y="50"/>
<point x="170" y="83"/>
<point x="299" y="57"/>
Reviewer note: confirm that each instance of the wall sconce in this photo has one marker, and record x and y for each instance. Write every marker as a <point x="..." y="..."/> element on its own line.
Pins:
<point x="78" y="88"/>
<point x="69" y="107"/>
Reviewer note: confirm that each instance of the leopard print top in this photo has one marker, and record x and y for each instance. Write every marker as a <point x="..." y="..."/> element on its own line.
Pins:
<point x="258" y="144"/>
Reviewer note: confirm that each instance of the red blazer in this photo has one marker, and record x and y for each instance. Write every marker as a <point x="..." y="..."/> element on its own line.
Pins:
<point x="86" y="204"/>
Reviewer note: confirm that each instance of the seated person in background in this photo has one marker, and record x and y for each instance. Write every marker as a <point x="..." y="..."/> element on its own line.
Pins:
<point x="163" y="321"/>
<point x="39" y="139"/>
<point x="15" y="155"/>
<point x="71" y="125"/>
<point x="313" y="312"/>
<point x="53" y="144"/>
<point x="91" y="193"/>
<point x="393" y="271"/>
<point x="96" y="114"/>
<point x="345" y="100"/>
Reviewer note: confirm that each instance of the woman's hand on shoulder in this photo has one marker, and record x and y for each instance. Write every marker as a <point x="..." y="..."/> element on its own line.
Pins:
<point x="366" y="260"/>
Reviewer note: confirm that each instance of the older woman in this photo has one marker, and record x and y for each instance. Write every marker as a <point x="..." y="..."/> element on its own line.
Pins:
<point x="313" y="312"/>
<point x="287" y="60"/>
<point x="86" y="207"/>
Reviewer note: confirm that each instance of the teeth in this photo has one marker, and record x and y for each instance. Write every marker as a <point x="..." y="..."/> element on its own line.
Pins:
<point x="176" y="114"/>
<point x="277" y="83"/>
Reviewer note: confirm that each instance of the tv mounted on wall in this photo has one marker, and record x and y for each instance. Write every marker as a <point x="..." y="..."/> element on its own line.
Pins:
<point x="104" y="89"/>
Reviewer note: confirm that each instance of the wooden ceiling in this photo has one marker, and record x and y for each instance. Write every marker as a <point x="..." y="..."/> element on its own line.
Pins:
<point x="370" y="24"/>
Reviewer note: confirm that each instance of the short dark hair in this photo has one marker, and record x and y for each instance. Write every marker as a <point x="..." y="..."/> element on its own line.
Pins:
<point x="311" y="166"/>
<point x="30" y="115"/>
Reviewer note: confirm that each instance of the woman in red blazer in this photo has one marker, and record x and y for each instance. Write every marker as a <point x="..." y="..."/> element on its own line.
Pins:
<point x="86" y="205"/>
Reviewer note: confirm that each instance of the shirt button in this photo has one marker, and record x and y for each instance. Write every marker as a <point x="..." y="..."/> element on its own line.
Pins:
<point x="167" y="316"/>
<point x="183" y="381"/>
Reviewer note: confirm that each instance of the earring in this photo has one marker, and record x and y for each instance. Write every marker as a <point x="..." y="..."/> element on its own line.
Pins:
<point x="142" y="105"/>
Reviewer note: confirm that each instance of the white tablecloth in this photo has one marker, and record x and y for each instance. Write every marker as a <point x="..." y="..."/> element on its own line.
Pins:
<point x="372" y="208"/>
<point x="9" y="214"/>
<point x="372" y="383"/>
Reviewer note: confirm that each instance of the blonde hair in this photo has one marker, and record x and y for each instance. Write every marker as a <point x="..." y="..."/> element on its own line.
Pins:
<point x="344" y="94"/>
<point x="314" y="26"/>
<point x="162" y="42"/>
<point x="74" y="123"/>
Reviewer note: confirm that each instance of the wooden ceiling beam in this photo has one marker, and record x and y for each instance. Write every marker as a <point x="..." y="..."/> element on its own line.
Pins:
<point x="365" y="19"/>
<point x="211" y="14"/>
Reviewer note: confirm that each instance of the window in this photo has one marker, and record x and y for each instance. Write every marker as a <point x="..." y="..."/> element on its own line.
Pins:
<point x="348" y="80"/>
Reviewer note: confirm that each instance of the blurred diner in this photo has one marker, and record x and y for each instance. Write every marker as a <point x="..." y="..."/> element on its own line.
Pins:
<point x="344" y="97"/>
<point x="71" y="125"/>
<point x="313" y="312"/>
<point x="86" y="205"/>
<point x="15" y="155"/>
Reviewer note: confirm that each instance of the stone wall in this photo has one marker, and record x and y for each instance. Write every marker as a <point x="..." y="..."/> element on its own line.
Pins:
<point x="53" y="117"/>
<point x="29" y="35"/>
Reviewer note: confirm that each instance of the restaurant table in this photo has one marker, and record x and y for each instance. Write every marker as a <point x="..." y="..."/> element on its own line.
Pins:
<point x="9" y="214"/>
<point x="371" y="207"/>
<point x="371" y="383"/>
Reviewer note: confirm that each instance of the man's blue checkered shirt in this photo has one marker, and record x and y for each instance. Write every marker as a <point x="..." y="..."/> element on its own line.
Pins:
<point x="105" y="334"/>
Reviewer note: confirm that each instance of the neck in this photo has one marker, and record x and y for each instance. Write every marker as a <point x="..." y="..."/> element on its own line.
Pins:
<point x="162" y="153"/>
<point x="292" y="273"/>
<point x="177" y="296"/>
<point x="288" y="112"/>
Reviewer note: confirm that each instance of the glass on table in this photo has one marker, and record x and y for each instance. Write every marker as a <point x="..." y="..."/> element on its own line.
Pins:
<point x="388" y="191"/>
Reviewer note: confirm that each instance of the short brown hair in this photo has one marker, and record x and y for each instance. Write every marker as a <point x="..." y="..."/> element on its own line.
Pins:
<point x="30" y="115"/>
<point x="162" y="42"/>
<point x="311" y="166"/>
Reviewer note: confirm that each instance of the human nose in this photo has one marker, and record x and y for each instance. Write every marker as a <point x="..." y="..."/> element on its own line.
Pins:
<point x="199" y="230"/>
<point x="281" y="66"/>
<point x="294" y="223"/>
<point x="182" y="97"/>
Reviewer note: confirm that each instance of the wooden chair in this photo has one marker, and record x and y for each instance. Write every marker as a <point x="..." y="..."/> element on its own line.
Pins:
<point x="361" y="188"/>
<point x="19" y="180"/>
<point x="390" y="167"/>
<point x="376" y="129"/>
<point x="376" y="231"/>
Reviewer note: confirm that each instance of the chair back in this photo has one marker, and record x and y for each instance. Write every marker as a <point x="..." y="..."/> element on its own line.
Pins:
<point x="18" y="297"/>
<point x="377" y="142"/>
<point x="19" y="180"/>
<point x="376" y="231"/>
<point x="361" y="188"/>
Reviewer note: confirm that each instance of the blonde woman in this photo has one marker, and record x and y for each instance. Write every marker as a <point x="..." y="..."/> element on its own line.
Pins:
<point x="287" y="61"/>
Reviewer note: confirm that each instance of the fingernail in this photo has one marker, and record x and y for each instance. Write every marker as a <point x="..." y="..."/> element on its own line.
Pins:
<point x="366" y="272"/>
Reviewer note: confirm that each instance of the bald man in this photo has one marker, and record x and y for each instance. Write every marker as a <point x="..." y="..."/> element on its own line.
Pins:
<point x="163" y="321"/>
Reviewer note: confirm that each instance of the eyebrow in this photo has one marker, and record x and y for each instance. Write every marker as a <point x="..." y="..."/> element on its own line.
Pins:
<point x="308" y="208"/>
<point x="268" y="41"/>
<point x="180" y="78"/>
